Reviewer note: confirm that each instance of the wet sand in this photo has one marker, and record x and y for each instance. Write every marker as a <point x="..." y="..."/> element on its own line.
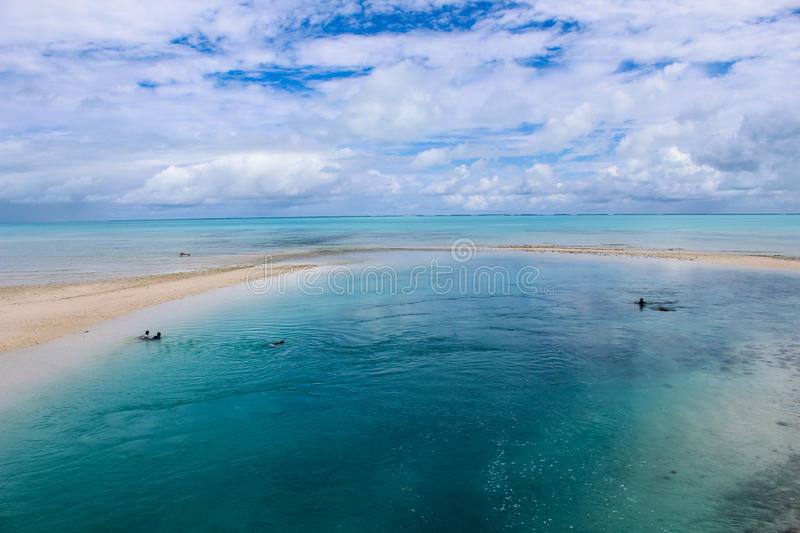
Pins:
<point x="34" y="314"/>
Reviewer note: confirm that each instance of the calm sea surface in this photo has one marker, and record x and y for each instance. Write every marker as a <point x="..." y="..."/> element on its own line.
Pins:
<point x="535" y="397"/>
<point x="46" y="253"/>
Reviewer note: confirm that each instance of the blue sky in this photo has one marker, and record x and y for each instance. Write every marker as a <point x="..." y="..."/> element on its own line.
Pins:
<point x="186" y="109"/>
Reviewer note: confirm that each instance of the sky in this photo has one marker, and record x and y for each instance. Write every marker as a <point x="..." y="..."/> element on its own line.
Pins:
<point x="171" y="109"/>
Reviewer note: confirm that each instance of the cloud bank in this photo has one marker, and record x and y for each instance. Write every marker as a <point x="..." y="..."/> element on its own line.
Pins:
<point x="153" y="109"/>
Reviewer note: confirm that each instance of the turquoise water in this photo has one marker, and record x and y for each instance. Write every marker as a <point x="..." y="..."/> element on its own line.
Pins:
<point x="46" y="253"/>
<point x="553" y="406"/>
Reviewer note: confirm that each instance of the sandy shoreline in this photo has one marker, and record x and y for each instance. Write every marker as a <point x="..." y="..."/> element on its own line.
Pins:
<point x="34" y="314"/>
<point x="711" y="258"/>
<point x="31" y="315"/>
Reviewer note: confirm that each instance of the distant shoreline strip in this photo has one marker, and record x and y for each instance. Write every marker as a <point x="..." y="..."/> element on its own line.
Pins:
<point x="711" y="258"/>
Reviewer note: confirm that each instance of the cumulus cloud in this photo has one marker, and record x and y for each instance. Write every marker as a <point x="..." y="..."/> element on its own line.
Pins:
<point x="401" y="106"/>
<point x="762" y="153"/>
<point x="539" y="180"/>
<point x="239" y="176"/>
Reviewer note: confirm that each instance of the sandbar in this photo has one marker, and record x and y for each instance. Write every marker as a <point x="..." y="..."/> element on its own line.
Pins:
<point x="34" y="314"/>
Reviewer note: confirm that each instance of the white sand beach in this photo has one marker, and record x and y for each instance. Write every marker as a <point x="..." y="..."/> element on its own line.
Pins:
<point x="31" y="315"/>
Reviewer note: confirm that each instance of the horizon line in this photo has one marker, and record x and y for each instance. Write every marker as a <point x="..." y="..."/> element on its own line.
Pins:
<point x="440" y="215"/>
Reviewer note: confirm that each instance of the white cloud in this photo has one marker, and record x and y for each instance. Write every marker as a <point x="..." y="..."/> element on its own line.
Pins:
<point x="649" y="103"/>
<point x="434" y="157"/>
<point x="240" y="176"/>
<point x="448" y="186"/>
<point x="538" y="180"/>
<point x="394" y="103"/>
<point x="431" y="158"/>
<point x="476" y="202"/>
<point x="559" y="131"/>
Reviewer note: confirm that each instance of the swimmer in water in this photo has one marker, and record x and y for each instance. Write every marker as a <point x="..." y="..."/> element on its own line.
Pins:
<point x="146" y="336"/>
<point x="641" y="303"/>
<point x="277" y="343"/>
<point x="157" y="337"/>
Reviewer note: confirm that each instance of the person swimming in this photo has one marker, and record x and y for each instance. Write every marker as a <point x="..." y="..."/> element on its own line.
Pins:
<point x="157" y="337"/>
<point x="642" y="305"/>
<point x="146" y="336"/>
<point x="278" y="343"/>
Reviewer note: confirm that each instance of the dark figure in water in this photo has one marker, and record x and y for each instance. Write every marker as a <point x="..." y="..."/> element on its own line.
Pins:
<point x="641" y="303"/>
<point x="157" y="337"/>
<point x="277" y="343"/>
<point x="146" y="336"/>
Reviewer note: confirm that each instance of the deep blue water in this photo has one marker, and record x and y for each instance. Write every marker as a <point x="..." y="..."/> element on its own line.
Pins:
<point x="44" y="253"/>
<point x="555" y="406"/>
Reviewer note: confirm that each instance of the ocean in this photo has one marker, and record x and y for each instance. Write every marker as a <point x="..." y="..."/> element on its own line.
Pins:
<point x="422" y="391"/>
<point x="64" y="252"/>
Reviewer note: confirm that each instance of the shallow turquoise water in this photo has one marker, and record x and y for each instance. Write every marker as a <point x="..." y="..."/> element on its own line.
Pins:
<point x="564" y="409"/>
<point x="45" y="253"/>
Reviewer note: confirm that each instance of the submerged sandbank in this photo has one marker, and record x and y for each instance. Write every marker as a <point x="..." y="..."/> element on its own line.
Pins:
<point x="31" y="315"/>
<point x="712" y="258"/>
<point x="747" y="260"/>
